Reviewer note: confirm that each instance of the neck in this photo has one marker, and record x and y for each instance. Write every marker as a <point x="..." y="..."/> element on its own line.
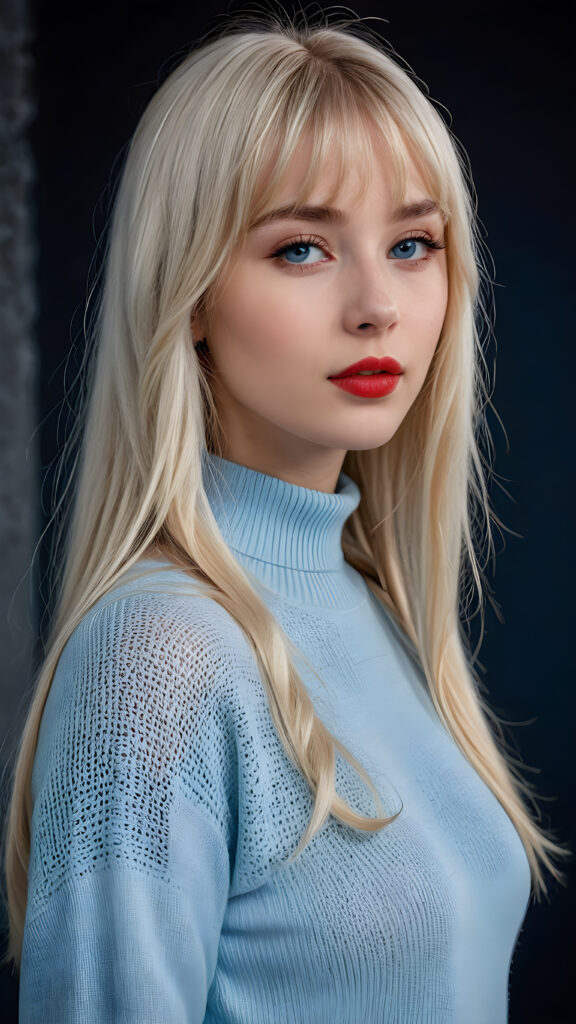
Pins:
<point x="288" y="536"/>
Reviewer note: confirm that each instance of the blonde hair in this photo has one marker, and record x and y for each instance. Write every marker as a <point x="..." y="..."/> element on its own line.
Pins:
<point x="207" y="159"/>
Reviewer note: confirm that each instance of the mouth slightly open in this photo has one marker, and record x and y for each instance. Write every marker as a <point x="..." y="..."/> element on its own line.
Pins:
<point x="370" y="365"/>
<point x="370" y="378"/>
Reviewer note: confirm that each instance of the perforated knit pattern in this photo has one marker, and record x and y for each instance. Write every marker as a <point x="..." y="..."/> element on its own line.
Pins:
<point x="165" y="809"/>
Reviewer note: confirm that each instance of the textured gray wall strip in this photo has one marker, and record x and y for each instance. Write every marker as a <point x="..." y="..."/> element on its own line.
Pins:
<point x="19" y="498"/>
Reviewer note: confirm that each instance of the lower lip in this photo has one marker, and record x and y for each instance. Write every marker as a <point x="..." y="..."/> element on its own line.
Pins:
<point x="375" y="386"/>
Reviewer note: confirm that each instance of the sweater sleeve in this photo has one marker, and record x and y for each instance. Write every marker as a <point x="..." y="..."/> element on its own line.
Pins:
<point x="133" y="823"/>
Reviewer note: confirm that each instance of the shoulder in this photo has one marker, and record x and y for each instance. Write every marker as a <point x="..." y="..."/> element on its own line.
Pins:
<point x="139" y="724"/>
<point x="155" y="677"/>
<point x="158" y="618"/>
<point x="155" y="665"/>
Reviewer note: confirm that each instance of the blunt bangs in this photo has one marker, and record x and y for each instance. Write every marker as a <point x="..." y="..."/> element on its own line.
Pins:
<point x="346" y="126"/>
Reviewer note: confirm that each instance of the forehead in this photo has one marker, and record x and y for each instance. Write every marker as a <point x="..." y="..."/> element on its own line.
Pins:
<point x="377" y="176"/>
<point x="342" y="175"/>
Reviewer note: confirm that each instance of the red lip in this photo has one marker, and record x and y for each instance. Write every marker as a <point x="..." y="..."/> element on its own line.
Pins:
<point x="387" y="365"/>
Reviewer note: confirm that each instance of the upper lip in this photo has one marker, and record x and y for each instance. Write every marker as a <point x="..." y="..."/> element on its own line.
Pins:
<point x="387" y="364"/>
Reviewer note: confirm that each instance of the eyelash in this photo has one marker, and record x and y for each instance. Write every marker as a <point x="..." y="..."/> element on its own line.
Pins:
<point x="433" y="244"/>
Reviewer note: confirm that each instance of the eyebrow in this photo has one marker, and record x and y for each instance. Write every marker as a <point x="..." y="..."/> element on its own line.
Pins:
<point x="331" y="215"/>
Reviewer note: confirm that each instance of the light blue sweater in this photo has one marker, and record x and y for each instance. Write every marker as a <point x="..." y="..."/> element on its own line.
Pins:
<point x="165" y="808"/>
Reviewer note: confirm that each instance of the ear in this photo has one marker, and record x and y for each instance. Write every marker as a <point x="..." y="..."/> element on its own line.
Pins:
<point x="197" y="327"/>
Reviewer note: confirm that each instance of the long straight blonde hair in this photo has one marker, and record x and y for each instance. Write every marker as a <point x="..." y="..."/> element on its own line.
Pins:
<point x="207" y="158"/>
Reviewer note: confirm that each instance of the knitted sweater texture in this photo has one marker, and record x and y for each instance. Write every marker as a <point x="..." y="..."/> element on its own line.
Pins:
<point x="165" y="807"/>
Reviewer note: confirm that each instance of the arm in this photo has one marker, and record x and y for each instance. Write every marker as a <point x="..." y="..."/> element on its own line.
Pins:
<point x="131" y="830"/>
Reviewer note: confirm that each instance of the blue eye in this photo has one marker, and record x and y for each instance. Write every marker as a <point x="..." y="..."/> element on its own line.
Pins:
<point x="300" y="250"/>
<point x="410" y="243"/>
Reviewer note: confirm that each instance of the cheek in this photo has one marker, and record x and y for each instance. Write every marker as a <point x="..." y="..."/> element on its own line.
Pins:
<point x="261" y="324"/>
<point x="433" y="311"/>
<point x="239" y="326"/>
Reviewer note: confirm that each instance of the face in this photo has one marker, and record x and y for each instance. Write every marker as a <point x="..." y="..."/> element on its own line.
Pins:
<point x="307" y="298"/>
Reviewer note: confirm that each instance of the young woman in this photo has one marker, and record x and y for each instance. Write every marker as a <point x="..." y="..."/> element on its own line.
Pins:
<point x="277" y="514"/>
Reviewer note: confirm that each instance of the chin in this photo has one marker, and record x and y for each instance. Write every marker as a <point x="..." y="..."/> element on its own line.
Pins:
<point x="366" y="442"/>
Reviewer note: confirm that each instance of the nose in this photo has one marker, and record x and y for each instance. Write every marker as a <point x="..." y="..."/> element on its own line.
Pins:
<point x="369" y="305"/>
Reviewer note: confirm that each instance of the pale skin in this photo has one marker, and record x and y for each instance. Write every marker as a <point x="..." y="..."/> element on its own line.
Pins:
<point x="283" y="325"/>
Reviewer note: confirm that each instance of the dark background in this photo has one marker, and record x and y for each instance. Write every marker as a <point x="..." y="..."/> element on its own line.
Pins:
<point x="505" y="78"/>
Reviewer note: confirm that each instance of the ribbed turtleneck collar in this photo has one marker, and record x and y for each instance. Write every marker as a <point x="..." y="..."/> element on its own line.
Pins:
<point x="288" y="536"/>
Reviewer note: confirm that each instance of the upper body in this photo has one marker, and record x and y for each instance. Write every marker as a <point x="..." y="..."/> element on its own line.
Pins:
<point x="166" y="807"/>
